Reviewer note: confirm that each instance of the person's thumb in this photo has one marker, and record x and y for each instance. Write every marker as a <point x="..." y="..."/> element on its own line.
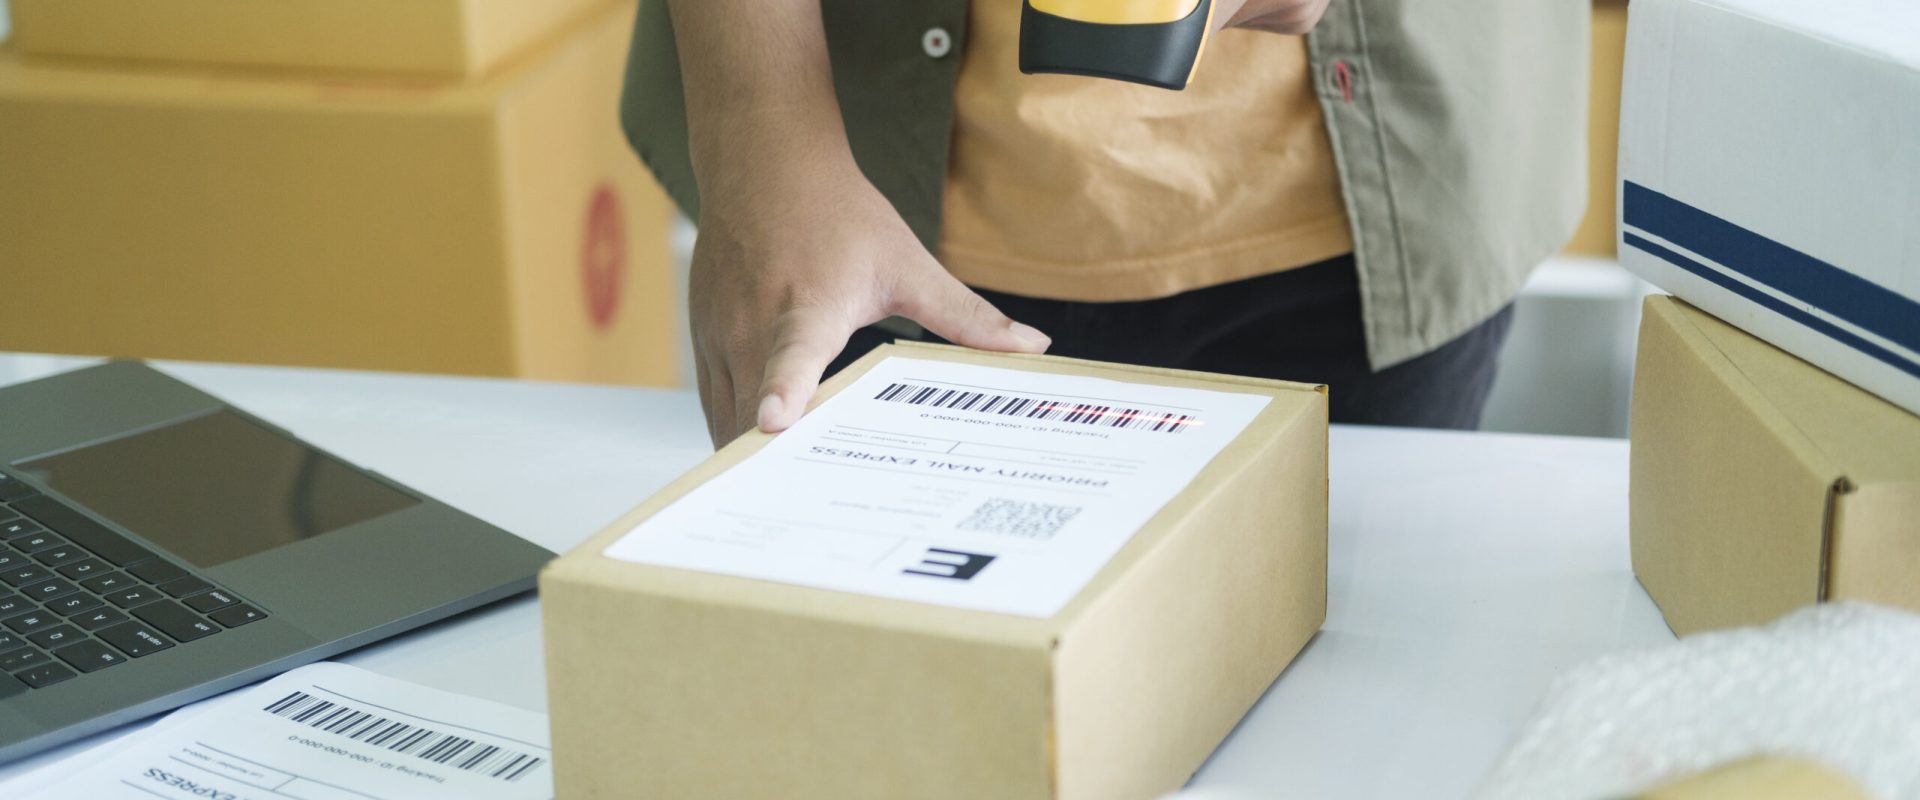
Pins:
<point x="945" y="306"/>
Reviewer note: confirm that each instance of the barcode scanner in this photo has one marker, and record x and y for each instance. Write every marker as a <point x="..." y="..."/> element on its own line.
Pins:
<point x="1154" y="42"/>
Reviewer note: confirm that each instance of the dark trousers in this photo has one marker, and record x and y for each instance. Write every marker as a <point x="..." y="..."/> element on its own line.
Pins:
<point x="1299" y="325"/>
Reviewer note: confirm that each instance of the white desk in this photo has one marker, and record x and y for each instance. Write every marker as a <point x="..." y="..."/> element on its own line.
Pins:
<point x="1466" y="569"/>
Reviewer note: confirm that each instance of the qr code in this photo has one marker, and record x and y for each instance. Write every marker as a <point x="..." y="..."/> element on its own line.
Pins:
<point x="1037" y="521"/>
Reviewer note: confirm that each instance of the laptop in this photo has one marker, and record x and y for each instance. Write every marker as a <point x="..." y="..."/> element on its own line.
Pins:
<point x="158" y="546"/>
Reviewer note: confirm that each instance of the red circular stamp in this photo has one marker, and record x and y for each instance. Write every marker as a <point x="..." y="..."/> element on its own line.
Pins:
<point x="603" y="256"/>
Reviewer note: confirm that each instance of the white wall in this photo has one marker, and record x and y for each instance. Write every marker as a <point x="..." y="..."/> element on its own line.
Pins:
<point x="4" y="25"/>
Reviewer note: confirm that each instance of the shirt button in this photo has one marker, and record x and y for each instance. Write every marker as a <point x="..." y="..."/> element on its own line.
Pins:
<point x="936" y="42"/>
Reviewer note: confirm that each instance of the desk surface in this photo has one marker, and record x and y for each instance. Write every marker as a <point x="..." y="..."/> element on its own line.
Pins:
<point x="1466" y="570"/>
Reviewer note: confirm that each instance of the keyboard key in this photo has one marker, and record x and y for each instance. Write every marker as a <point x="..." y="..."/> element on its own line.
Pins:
<point x="236" y="616"/>
<point x="128" y="598"/>
<point x="8" y="641"/>
<point x="30" y="621"/>
<point x="12" y="488"/>
<point x="10" y="686"/>
<point x="185" y="586"/>
<point x="12" y="559"/>
<point x="55" y="556"/>
<point x="20" y="658"/>
<point x="84" y="568"/>
<point x="11" y="604"/>
<point x="157" y="571"/>
<point x="176" y="621"/>
<point x="204" y="603"/>
<point x="36" y="542"/>
<point x="83" y="531"/>
<point x="56" y="636"/>
<point x="7" y="514"/>
<point x="134" y="639"/>
<point x="26" y="575"/>
<point x="73" y="604"/>
<point x="99" y="618"/>
<point x="49" y="589"/>
<point x="108" y="583"/>
<point x="19" y="527"/>
<point x="45" y="675"/>
<point x="89" y="656"/>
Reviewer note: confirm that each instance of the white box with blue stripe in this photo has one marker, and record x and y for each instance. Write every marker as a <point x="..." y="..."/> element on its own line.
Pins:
<point x="1770" y="174"/>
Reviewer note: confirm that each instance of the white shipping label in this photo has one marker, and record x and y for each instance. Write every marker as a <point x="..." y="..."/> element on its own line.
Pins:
<point x="325" y="732"/>
<point x="954" y="484"/>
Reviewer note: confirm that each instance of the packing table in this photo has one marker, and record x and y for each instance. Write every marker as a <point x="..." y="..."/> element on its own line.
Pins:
<point x="1467" y="570"/>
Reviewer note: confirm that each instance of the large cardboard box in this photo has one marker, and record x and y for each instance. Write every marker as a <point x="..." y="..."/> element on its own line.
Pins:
<point x="447" y="37"/>
<point x="1768" y="161"/>
<point x="1761" y="483"/>
<point x="675" y="683"/>
<point x="499" y="227"/>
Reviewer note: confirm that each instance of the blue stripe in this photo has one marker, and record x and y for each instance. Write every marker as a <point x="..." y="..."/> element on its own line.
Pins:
<point x="1776" y="305"/>
<point x="1817" y="283"/>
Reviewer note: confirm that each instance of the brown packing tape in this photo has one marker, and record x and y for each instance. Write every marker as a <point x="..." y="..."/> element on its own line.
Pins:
<point x="1761" y="778"/>
<point x="781" y="689"/>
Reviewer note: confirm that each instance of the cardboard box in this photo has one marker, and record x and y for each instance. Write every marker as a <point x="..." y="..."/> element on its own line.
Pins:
<point x="671" y="683"/>
<point x="1597" y="235"/>
<point x="445" y="37"/>
<point x="1768" y="161"/>
<point x="1760" y="483"/>
<point x="501" y="227"/>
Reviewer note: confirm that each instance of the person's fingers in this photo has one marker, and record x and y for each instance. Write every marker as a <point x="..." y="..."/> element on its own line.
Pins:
<point x="805" y="341"/>
<point x="955" y="313"/>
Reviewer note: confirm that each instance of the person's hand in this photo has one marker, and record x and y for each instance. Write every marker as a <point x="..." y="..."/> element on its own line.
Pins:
<point x="782" y="276"/>
<point x="1292" y="17"/>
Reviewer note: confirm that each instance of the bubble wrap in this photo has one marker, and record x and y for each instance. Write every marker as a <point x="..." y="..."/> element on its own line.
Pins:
<point x="1836" y="683"/>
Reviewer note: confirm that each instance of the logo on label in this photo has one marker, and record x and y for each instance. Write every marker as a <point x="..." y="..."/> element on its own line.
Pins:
<point x="603" y="256"/>
<point x="951" y="564"/>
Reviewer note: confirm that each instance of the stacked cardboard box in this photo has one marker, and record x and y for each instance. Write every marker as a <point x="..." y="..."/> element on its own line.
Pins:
<point x="1768" y="165"/>
<point x="424" y="186"/>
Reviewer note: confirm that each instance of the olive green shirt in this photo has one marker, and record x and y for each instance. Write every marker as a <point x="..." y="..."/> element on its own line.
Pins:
<point x="1458" y="128"/>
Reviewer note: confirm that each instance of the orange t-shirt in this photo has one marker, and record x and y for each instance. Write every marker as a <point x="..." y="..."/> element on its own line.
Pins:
<point x="1079" y="188"/>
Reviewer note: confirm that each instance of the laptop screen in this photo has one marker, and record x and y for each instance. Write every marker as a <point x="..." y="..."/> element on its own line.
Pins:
<point x="217" y="487"/>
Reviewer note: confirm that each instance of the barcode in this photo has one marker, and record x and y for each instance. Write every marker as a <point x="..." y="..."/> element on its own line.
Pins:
<point x="400" y="737"/>
<point x="1035" y="408"/>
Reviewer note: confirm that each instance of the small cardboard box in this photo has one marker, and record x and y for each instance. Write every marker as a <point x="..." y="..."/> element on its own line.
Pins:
<point x="501" y="227"/>
<point x="669" y="683"/>
<point x="1760" y="483"/>
<point x="446" y="37"/>
<point x="1768" y="165"/>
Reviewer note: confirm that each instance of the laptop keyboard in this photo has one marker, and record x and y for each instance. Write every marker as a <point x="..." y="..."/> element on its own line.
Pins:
<point x="75" y="597"/>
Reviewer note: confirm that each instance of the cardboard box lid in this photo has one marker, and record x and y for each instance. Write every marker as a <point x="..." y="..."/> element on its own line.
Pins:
<point x="1292" y="404"/>
<point x="445" y="37"/>
<point x="29" y="78"/>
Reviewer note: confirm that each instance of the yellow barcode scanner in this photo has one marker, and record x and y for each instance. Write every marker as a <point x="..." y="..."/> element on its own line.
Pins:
<point x="1155" y="42"/>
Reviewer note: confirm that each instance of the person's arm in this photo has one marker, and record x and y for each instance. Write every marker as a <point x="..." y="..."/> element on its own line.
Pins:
<point x="796" y="248"/>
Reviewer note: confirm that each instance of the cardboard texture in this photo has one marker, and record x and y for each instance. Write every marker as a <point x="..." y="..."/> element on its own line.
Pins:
<point x="1761" y="483"/>
<point x="446" y="37"/>
<point x="500" y="227"/>
<point x="1762" y="778"/>
<point x="1767" y="166"/>
<point x="669" y="683"/>
<point x="1597" y="235"/>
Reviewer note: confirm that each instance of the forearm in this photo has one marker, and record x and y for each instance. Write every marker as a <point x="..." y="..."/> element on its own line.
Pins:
<point x="759" y="93"/>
